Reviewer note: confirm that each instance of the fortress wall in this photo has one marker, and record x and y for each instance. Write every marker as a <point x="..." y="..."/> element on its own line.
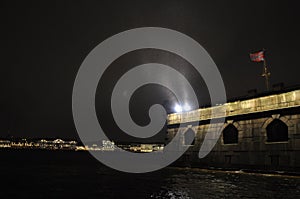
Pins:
<point x="252" y="150"/>
<point x="256" y="105"/>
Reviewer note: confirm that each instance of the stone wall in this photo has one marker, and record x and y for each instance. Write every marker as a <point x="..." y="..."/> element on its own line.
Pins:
<point x="253" y="150"/>
<point x="255" y="105"/>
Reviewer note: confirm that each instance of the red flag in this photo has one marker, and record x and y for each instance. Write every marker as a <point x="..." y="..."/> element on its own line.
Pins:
<point x="258" y="56"/>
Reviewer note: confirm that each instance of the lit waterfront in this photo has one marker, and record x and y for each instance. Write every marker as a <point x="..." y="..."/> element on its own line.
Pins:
<point x="59" y="144"/>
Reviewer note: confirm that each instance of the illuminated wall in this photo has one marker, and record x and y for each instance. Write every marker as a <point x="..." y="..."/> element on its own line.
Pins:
<point x="264" y="133"/>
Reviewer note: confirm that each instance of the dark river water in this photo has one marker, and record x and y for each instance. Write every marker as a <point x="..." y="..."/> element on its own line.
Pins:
<point x="66" y="174"/>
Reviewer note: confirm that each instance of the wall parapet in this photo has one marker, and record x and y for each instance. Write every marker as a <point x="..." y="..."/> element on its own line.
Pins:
<point x="261" y="104"/>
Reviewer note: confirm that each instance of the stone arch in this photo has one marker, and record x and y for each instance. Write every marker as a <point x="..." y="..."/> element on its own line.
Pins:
<point x="277" y="131"/>
<point x="284" y="119"/>
<point x="189" y="137"/>
<point x="267" y="122"/>
<point x="230" y="134"/>
<point x="236" y="124"/>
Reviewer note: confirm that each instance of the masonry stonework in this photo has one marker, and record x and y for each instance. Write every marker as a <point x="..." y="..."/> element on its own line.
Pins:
<point x="254" y="147"/>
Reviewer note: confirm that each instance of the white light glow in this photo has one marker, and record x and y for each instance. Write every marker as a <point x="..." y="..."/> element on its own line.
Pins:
<point x="178" y="108"/>
<point x="186" y="107"/>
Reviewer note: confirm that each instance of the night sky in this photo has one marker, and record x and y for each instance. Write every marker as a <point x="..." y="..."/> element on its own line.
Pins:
<point x="45" y="43"/>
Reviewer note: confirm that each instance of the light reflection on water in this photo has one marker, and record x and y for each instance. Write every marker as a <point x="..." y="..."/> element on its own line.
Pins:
<point x="196" y="183"/>
<point x="47" y="174"/>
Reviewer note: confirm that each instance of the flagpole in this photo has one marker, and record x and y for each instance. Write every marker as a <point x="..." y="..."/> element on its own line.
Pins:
<point x="266" y="74"/>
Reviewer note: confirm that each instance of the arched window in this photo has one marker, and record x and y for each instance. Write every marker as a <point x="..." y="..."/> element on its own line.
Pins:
<point x="230" y="134"/>
<point x="277" y="131"/>
<point x="189" y="137"/>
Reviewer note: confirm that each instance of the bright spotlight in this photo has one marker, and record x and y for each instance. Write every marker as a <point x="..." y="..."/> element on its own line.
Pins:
<point x="178" y="108"/>
<point x="187" y="107"/>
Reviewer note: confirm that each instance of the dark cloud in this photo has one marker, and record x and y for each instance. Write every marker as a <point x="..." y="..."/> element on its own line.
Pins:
<point x="46" y="41"/>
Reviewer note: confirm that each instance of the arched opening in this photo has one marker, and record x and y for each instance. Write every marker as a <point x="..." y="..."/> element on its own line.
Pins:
<point x="277" y="131"/>
<point x="189" y="137"/>
<point x="230" y="134"/>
